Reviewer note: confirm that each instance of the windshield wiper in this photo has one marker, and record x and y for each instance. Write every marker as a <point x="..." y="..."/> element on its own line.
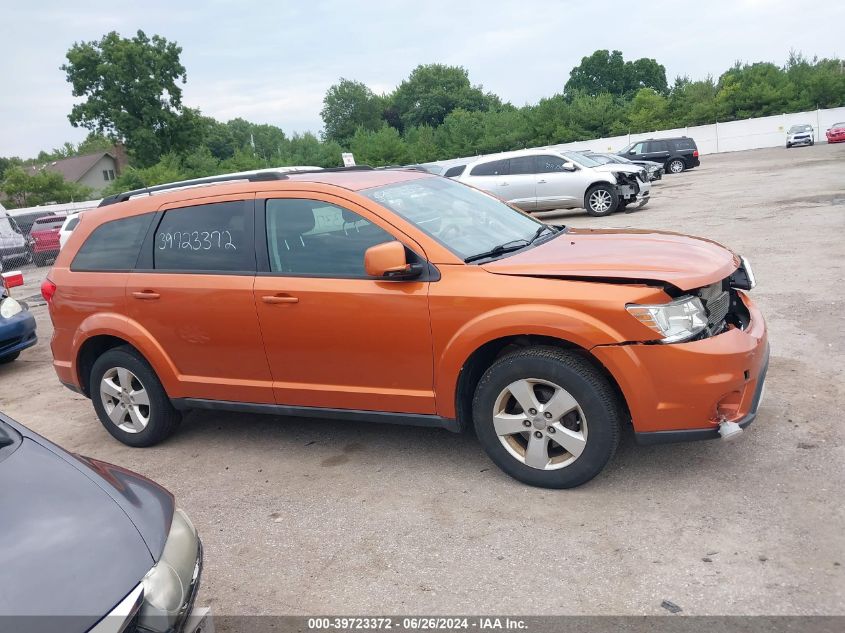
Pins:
<point x="509" y="247"/>
<point x="539" y="232"/>
<point x="501" y="249"/>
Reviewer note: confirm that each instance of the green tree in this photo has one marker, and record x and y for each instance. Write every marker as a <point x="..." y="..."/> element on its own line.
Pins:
<point x="27" y="190"/>
<point x="347" y="106"/>
<point x="606" y="71"/>
<point x="131" y="91"/>
<point x="382" y="147"/>
<point x="432" y="91"/>
<point x="648" y="111"/>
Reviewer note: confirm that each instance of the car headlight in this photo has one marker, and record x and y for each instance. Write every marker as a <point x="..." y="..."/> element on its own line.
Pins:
<point x="9" y="308"/>
<point x="679" y="320"/>
<point x="168" y="585"/>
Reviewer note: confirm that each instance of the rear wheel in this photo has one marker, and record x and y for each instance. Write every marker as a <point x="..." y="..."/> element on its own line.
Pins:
<point x="130" y="400"/>
<point x="601" y="200"/>
<point x="547" y="417"/>
<point x="676" y="166"/>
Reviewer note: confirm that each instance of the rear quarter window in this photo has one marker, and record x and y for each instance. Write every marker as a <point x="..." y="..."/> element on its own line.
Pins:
<point x="493" y="168"/>
<point x="454" y="171"/>
<point x="113" y="246"/>
<point x="684" y="143"/>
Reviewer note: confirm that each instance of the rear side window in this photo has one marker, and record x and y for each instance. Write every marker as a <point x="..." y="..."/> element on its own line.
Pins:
<point x="493" y="168"/>
<point x="113" y="246"/>
<point x="684" y="143"/>
<point x="522" y="165"/>
<point x="658" y="146"/>
<point x="71" y="224"/>
<point x="206" y="238"/>
<point x="455" y="171"/>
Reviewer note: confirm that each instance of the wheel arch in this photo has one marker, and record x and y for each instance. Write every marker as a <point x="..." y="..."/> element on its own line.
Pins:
<point x="483" y="357"/>
<point x="483" y="339"/>
<point x="103" y="332"/>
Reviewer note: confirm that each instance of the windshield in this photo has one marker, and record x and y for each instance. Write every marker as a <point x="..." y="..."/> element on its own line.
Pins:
<point x="582" y="160"/>
<point x="800" y="128"/>
<point x="465" y="220"/>
<point x="842" y="124"/>
<point x="599" y="158"/>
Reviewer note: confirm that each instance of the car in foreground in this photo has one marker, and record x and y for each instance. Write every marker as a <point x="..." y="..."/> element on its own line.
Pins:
<point x="17" y="325"/>
<point x="675" y="154"/>
<point x="538" y="180"/>
<point x="654" y="171"/>
<point x="45" y="238"/>
<point x="836" y="133"/>
<point x="403" y="297"/>
<point x="15" y="249"/>
<point x="802" y="134"/>
<point x="89" y="546"/>
<point x="67" y="227"/>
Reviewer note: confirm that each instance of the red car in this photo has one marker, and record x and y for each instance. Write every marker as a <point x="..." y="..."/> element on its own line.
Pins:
<point x="836" y="133"/>
<point x="45" y="238"/>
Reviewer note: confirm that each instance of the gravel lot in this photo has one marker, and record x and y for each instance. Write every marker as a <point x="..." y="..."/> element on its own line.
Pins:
<point x="303" y="517"/>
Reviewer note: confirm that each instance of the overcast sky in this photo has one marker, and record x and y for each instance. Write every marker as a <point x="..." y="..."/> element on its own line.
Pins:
<point x="271" y="62"/>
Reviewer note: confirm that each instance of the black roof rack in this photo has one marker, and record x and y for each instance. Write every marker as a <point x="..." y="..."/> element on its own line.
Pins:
<point x="262" y="176"/>
<point x="259" y="177"/>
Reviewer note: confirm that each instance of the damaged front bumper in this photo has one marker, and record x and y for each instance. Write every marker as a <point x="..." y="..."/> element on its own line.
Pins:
<point x="633" y="191"/>
<point x="684" y="391"/>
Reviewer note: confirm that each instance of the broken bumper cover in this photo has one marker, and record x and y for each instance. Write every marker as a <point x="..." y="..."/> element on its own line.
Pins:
<point x="681" y="391"/>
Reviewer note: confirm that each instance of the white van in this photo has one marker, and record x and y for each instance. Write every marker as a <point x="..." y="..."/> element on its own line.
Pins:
<point x="14" y="246"/>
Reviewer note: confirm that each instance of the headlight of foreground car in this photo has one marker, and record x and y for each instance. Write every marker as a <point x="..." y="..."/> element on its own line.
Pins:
<point x="168" y="585"/>
<point x="677" y="321"/>
<point x="9" y="308"/>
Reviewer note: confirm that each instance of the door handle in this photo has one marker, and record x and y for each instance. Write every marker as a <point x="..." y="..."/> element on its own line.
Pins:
<point x="279" y="299"/>
<point x="503" y="184"/>
<point x="541" y="182"/>
<point x="146" y="294"/>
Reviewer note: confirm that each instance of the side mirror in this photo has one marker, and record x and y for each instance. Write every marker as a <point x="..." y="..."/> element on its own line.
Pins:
<point x="568" y="167"/>
<point x="632" y="151"/>
<point x="388" y="261"/>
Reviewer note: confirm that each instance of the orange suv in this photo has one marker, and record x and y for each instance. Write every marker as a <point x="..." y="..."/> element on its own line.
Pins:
<point x="403" y="297"/>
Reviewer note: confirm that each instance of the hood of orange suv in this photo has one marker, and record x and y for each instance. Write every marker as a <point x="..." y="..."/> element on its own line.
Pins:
<point x="683" y="261"/>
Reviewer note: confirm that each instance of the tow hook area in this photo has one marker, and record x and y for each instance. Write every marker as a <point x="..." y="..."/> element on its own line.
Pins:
<point x="729" y="430"/>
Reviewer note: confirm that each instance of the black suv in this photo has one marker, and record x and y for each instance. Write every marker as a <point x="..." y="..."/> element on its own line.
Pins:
<point x="677" y="154"/>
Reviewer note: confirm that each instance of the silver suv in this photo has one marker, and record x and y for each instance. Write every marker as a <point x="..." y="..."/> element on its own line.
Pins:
<point x="542" y="179"/>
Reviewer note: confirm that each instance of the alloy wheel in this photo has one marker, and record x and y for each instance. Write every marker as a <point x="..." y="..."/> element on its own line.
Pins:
<point x="125" y="400"/>
<point x="676" y="167"/>
<point x="600" y="201"/>
<point x="540" y="424"/>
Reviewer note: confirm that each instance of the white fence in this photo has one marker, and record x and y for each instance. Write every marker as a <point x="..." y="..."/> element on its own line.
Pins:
<point x="733" y="136"/>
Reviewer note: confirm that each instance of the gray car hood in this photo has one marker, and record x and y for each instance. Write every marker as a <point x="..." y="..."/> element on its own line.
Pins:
<point x="70" y="548"/>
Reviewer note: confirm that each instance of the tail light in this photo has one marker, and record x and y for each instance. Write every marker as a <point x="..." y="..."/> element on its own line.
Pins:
<point x="48" y="289"/>
<point x="695" y="153"/>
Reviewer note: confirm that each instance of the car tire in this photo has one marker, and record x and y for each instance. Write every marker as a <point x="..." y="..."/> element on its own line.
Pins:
<point x="675" y="166"/>
<point x="788" y="145"/>
<point x="555" y="380"/>
<point x="9" y="358"/>
<point x="812" y="142"/>
<point x="601" y="200"/>
<point x="129" y="399"/>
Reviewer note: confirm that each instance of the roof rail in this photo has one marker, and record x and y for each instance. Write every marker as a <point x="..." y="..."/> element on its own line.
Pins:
<point x="259" y="177"/>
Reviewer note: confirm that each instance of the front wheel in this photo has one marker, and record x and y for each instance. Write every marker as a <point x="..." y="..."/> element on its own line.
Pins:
<point x="601" y="200"/>
<point x="130" y="400"/>
<point x="547" y="417"/>
<point x="676" y="166"/>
